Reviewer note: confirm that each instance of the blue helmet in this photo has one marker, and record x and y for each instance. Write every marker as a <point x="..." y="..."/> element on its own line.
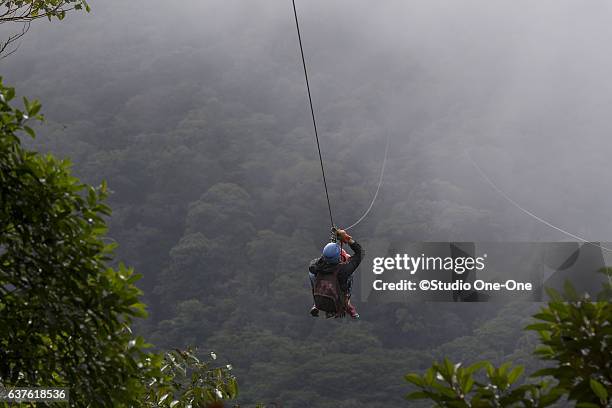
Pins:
<point x="331" y="252"/>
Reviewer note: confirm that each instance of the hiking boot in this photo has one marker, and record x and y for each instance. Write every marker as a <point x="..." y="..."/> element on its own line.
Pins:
<point x="314" y="312"/>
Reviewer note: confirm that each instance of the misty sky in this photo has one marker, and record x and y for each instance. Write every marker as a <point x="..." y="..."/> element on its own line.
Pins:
<point x="523" y="86"/>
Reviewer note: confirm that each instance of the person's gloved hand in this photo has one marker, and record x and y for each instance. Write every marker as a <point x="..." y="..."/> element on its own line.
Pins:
<point x="343" y="236"/>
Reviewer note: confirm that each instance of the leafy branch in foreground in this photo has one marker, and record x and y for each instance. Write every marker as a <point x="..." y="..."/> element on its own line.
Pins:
<point x="65" y="315"/>
<point x="25" y="11"/>
<point x="451" y="385"/>
<point x="185" y="381"/>
<point x="575" y="333"/>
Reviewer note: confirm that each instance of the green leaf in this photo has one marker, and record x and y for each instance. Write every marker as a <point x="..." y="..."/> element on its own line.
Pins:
<point x="515" y="374"/>
<point x="414" y="379"/>
<point x="34" y="108"/>
<point x="549" y="317"/>
<point x="417" y="395"/>
<point x="599" y="389"/>
<point x="29" y="131"/>
<point x="504" y="368"/>
<point x="429" y="376"/>
<point x="467" y="386"/>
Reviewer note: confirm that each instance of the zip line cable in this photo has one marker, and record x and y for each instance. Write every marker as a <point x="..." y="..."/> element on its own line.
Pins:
<point x="314" y="122"/>
<point x="529" y="213"/>
<point x="380" y="180"/>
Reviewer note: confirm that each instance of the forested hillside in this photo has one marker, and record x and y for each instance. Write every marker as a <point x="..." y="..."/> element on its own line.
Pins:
<point x="197" y="118"/>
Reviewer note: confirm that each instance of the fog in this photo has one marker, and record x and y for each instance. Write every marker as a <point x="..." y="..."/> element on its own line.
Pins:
<point x="523" y="86"/>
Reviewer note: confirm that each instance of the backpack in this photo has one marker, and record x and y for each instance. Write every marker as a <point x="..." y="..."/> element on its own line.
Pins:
<point x="328" y="296"/>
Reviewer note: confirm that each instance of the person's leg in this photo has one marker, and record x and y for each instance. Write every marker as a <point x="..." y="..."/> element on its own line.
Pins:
<point x="314" y="312"/>
<point x="352" y="311"/>
<point x="349" y="285"/>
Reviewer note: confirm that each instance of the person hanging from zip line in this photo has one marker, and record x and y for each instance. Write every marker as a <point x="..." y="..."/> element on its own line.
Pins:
<point x="335" y="265"/>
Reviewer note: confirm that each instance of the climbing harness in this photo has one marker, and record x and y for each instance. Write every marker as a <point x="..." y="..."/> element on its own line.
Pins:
<point x="529" y="213"/>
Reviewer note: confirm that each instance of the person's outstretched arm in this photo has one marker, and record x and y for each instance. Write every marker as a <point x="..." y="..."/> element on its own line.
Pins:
<point x="348" y="268"/>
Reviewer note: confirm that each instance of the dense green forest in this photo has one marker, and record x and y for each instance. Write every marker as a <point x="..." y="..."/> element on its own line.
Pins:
<point x="200" y="127"/>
